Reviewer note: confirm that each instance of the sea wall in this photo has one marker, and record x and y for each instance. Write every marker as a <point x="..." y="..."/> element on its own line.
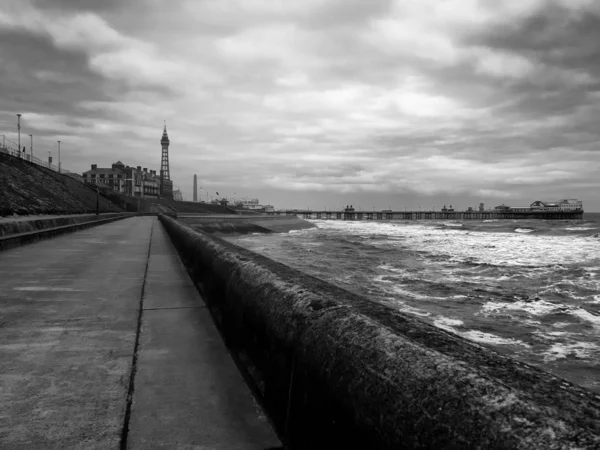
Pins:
<point x="21" y="232"/>
<point x="27" y="224"/>
<point x="239" y="224"/>
<point x="335" y="370"/>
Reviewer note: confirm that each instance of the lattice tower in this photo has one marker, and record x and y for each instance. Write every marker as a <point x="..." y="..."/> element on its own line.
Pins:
<point x="164" y="165"/>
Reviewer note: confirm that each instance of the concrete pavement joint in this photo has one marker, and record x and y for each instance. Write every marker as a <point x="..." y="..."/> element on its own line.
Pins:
<point x="175" y="307"/>
<point x="131" y="389"/>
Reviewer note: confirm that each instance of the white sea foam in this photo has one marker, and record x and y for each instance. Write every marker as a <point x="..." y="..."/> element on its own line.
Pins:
<point x="391" y="268"/>
<point x="494" y="248"/>
<point x="523" y="230"/>
<point x="415" y="311"/>
<point x="379" y="279"/>
<point x="488" y="338"/>
<point x="580" y="228"/>
<point x="398" y="290"/>
<point x="587" y="316"/>
<point x="448" y="324"/>
<point x="576" y="349"/>
<point x="538" y="307"/>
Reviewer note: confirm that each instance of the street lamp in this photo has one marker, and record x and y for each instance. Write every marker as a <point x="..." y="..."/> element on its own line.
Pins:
<point x="19" y="130"/>
<point x="58" y="156"/>
<point x="31" y="147"/>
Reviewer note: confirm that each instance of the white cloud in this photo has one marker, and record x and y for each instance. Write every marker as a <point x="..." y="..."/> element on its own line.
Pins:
<point x="273" y="95"/>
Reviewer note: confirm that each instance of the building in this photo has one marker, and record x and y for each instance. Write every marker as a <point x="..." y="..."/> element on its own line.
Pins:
<point x="567" y="204"/>
<point x="177" y="195"/>
<point x="133" y="181"/>
<point x="538" y="205"/>
<point x="244" y="202"/>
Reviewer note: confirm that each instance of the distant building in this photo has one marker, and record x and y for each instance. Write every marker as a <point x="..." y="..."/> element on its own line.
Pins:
<point x="244" y="202"/>
<point x="123" y="179"/>
<point x="567" y="204"/>
<point x="538" y="205"/>
<point x="177" y="195"/>
<point x="252" y="204"/>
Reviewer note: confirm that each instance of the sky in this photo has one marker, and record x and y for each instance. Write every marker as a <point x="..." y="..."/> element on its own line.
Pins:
<point x="316" y="103"/>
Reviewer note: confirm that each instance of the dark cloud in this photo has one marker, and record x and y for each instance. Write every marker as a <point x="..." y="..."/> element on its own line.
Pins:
<point x="78" y="5"/>
<point x="334" y="98"/>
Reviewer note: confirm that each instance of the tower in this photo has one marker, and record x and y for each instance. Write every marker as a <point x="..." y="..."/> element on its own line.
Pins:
<point x="195" y="188"/>
<point x="164" y="165"/>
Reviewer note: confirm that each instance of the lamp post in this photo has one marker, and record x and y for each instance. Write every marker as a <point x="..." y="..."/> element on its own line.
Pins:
<point x="19" y="131"/>
<point x="58" y="156"/>
<point x="31" y="145"/>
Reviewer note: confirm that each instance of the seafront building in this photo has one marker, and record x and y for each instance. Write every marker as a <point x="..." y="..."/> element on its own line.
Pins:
<point x="134" y="181"/>
<point x="177" y="195"/>
<point x="568" y="204"/>
<point x="250" y="203"/>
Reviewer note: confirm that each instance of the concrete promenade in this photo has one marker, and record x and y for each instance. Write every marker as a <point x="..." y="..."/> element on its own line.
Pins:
<point x="106" y="344"/>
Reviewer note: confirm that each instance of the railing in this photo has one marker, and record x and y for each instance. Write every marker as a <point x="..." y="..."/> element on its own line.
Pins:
<point x="32" y="159"/>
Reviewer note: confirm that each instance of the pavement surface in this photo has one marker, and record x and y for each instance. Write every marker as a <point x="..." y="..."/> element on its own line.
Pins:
<point x="105" y="344"/>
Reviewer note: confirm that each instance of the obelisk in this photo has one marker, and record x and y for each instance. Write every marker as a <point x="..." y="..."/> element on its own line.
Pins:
<point x="195" y="188"/>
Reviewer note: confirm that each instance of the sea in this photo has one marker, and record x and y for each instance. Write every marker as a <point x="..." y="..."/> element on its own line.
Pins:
<point x="525" y="288"/>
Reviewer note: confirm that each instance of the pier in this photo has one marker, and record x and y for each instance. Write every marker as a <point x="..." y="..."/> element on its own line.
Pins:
<point x="436" y="215"/>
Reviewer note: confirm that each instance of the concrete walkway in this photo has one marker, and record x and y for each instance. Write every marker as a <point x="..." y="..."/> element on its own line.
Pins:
<point x="70" y="320"/>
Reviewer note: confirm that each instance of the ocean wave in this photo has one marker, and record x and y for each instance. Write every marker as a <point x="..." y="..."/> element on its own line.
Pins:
<point x="580" y="228"/>
<point x="587" y="316"/>
<point x="448" y="324"/>
<point x="538" y="307"/>
<point x="497" y="287"/>
<point x="488" y="338"/>
<point x="524" y="230"/>
<point x="577" y="350"/>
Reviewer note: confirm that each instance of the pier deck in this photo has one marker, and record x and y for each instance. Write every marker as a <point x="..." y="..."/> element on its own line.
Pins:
<point x="439" y="215"/>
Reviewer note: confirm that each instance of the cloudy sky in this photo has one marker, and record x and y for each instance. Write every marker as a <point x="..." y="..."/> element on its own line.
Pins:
<point x="317" y="103"/>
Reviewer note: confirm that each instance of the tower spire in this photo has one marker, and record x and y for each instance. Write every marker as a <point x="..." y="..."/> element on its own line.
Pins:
<point x="165" y="176"/>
